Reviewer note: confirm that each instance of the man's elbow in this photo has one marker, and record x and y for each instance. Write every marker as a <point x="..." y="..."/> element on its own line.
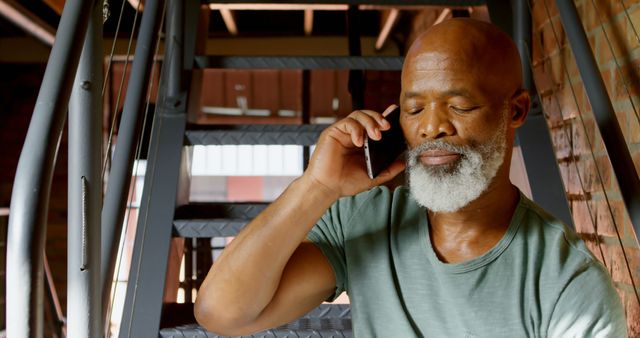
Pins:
<point x="219" y="319"/>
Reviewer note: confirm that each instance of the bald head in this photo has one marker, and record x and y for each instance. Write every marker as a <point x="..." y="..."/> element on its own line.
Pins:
<point x="475" y="48"/>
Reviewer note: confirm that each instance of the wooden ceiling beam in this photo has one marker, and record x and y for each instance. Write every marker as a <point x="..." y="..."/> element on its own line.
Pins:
<point x="308" y="21"/>
<point x="443" y="15"/>
<point x="229" y="21"/>
<point x="390" y="21"/>
<point x="27" y="20"/>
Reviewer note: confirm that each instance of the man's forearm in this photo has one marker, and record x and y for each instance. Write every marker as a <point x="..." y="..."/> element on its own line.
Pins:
<point x="245" y="278"/>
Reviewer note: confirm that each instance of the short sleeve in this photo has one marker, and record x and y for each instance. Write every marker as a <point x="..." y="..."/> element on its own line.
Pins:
<point x="331" y="232"/>
<point x="589" y="306"/>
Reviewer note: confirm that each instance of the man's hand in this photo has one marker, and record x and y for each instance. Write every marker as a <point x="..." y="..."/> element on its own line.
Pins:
<point x="338" y="160"/>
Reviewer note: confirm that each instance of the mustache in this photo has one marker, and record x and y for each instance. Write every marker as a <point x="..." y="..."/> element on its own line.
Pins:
<point x="437" y="145"/>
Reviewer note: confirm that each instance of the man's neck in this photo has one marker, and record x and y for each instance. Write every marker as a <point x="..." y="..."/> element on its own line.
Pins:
<point x="476" y="228"/>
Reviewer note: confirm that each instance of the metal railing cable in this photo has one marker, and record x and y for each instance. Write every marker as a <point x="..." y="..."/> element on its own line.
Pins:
<point x="119" y="182"/>
<point x="56" y="308"/>
<point x="113" y="48"/>
<point x="32" y="184"/>
<point x="584" y="128"/>
<point x="603" y="112"/>
<point x="590" y="144"/>
<point x="133" y="193"/>
<point x="615" y="59"/>
<point x="569" y="137"/>
<point x="107" y="152"/>
<point x="107" y="156"/>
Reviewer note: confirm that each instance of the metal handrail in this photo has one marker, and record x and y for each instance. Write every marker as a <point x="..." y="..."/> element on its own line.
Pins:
<point x="32" y="185"/>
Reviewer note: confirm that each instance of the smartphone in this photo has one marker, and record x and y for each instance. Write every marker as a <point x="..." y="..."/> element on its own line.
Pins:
<point x="380" y="154"/>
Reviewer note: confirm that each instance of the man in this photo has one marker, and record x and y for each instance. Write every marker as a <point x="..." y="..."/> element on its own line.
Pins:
<point x="461" y="253"/>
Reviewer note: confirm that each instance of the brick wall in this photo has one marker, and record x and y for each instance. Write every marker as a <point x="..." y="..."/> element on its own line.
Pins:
<point x="598" y="210"/>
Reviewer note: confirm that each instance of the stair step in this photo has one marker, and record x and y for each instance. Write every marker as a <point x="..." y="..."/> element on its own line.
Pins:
<point x="205" y="220"/>
<point x="300" y="62"/>
<point x="300" y="134"/>
<point x="317" y="328"/>
<point x="327" y="320"/>
<point x="450" y="3"/>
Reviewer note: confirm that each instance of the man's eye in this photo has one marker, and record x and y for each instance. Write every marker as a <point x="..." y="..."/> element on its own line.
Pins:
<point x="414" y="111"/>
<point x="462" y="109"/>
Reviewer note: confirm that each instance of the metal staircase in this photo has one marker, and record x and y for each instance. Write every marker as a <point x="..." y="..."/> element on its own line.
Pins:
<point x="160" y="219"/>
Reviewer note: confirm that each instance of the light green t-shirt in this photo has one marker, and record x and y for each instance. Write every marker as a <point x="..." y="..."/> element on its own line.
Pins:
<point x="539" y="280"/>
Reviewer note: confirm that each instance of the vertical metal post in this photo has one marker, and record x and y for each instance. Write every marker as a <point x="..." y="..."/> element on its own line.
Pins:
<point x="85" y="189"/>
<point x="605" y="116"/>
<point x="30" y="196"/>
<point x="522" y="38"/>
<point x="175" y="52"/>
<point x="143" y="304"/>
<point x="128" y="133"/>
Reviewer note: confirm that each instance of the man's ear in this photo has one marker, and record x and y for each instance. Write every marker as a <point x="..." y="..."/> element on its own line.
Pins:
<point x="520" y="104"/>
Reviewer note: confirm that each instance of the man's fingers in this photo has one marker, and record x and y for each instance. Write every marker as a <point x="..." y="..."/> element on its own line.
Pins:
<point x="389" y="110"/>
<point x="363" y="121"/>
<point x="368" y="122"/>
<point x="378" y="120"/>
<point x="354" y="130"/>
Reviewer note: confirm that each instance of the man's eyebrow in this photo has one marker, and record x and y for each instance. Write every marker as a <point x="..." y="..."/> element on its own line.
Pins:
<point x="457" y="92"/>
<point x="448" y="93"/>
<point x="409" y="95"/>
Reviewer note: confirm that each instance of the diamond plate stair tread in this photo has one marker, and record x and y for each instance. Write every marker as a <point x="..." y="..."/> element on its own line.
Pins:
<point x="203" y="228"/>
<point x="300" y="62"/>
<point x="195" y="331"/>
<point x="204" y="220"/>
<point x="268" y="134"/>
<point x="325" y="321"/>
<point x="240" y="211"/>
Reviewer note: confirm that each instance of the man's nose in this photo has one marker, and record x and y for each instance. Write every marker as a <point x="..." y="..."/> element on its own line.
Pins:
<point x="435" y="124"/>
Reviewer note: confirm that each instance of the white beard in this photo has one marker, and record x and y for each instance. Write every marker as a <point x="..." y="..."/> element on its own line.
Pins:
<point x="447" y="188"/>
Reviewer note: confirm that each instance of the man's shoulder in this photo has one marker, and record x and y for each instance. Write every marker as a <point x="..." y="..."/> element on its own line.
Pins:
<point x="369" y="211"/>
<point x="565" y="270"/>
<point x="553" y="240"/>
<point x="376" y="197"/>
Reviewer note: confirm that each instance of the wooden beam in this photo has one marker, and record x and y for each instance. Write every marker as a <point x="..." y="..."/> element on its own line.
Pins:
<point x="392" y="18"/>
<point x="308" y="21"/>
<point x="443" y="15"/>
<point x="30" y="22"/>
<point x="229" y="21"/>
